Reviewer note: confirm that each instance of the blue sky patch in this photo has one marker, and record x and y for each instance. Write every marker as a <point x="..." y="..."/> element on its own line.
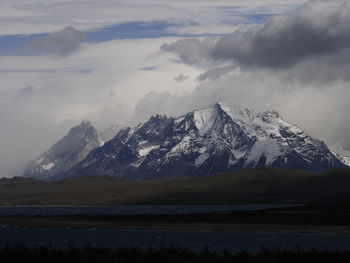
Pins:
<point x="15" y="45"/>
<point x="258" y="18"/>
<point x="131" y="30"/>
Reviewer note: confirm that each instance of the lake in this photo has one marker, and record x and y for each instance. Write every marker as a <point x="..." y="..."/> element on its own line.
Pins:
<point x="126" y="209"/>
<point x="195" y="240"/>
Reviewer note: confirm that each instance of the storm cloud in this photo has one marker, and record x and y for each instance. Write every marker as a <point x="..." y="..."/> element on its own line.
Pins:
<point x="318" y="28"/>
<point x="192" y="50"/>
<point x="311" y="43"/>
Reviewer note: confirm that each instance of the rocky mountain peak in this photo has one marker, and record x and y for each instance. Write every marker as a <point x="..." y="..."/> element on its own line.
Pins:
<point x="206" y="141"/>
<point x="85" y="127"/>
<point x="66" y="153"/>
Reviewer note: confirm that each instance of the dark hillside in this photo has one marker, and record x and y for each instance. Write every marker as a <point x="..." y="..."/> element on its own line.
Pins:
<point x="254" y="186"/>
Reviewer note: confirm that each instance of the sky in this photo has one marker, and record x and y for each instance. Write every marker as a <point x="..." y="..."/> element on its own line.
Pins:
<point x="119" y="62"/>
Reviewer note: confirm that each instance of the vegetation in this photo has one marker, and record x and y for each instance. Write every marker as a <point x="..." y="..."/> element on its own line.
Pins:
<point x="255" y="186"/>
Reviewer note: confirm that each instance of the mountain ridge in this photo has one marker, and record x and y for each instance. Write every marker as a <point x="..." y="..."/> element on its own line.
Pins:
<point x="211" y="140"/>
<point x="66" y="153"/>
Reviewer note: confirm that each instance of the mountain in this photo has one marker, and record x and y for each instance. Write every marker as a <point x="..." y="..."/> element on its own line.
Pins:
<point x="66" y="153"/>
<point x="341" y="154"/>
<point x="215" y="139"/>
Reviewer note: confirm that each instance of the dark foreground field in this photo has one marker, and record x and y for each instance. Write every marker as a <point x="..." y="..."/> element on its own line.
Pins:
<point x="255" y="186"/>
<point x="162" y="255"/>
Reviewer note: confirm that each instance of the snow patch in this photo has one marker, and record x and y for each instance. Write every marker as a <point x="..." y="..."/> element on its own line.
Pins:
<point x="179" y="120"/>
<point x="265" y="147"/>
<point x="138" y="163"/>
<point x="344" y="159"/>
<point x="38" y="162"/>
<point x="238" y="154"/>
<point x="342" y="155"/>
<point x="145" y="151"/>
<point x="201" y="159"/>
<point x="142" y="143"/>
<point x="204" y="119"/>
<point x="236" y="113"/>
<point x="48" y="166"/>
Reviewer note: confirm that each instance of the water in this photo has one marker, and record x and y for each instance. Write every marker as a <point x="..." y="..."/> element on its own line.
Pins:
<point x="124" y="210"/>
<point x="194" y="240"/>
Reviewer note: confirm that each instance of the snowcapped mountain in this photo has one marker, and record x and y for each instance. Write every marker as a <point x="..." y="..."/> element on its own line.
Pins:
<point x="340" y="153"/>
<point x="66" y="153"/>
<point x="207" y="141"/>
<point x="344" y="159"/>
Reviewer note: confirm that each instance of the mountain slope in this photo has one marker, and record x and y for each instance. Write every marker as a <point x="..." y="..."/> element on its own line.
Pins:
<point x="66" y="153"/>
<point x="207" y="141"/>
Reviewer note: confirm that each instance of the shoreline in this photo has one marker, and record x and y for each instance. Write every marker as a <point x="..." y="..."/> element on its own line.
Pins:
<point x="299" y="219"/>
<point x="95" y="223"/>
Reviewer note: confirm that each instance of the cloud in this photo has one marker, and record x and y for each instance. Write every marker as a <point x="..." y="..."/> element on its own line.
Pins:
<point x="310" y="44"/>
<point x="215" y="73"/>
<point x="191" y="51"/>
<point x="180" y="78"/>
<point x="313" y="30"/>
<point x="26" y="91"/>
<point x="193" y="17"/>
<point x="238" y="89"/>
<point x="62" y="42"/>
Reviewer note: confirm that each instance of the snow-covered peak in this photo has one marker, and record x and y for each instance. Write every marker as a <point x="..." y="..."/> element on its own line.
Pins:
<point x="268" y="123"/>
<point x="344" y="159"/>
<point x="204" y="119"/>
<point x="206" y="141"/>
<point x="341" y="154"/>
<point x="236" y="112"/>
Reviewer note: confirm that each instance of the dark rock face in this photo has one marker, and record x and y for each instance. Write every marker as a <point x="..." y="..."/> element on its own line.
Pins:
<point x="66" y="153"/>
<point x="215" y="139"/>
